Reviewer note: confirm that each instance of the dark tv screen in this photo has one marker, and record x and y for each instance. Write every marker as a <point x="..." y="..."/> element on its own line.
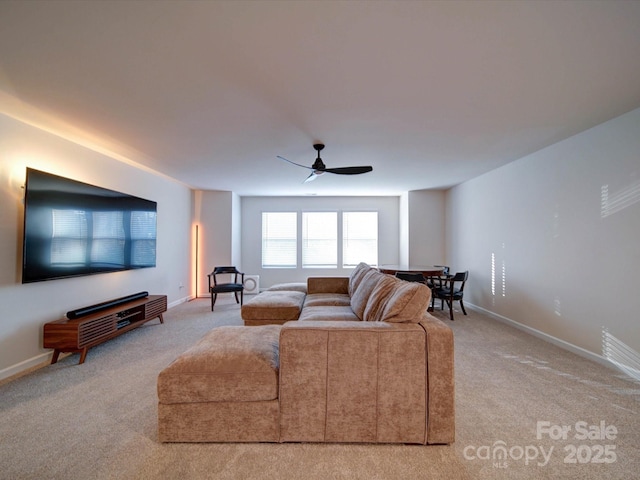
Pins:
<point x="73" y="229"/>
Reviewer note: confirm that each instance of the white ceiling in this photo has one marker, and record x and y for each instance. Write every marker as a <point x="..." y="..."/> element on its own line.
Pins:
<point x="429" y="93"/>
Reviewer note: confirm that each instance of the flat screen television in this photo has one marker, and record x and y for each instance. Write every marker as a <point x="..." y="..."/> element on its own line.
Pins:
<point x="73" y="229"/>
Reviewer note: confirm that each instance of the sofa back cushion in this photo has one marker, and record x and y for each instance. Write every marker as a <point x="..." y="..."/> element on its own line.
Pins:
<point x="356" y="276"/>
<point x="365" y="286"/>
<point x="377" y="300"/>
<point x="395" y="300"/>
<point x="408" y="302"/>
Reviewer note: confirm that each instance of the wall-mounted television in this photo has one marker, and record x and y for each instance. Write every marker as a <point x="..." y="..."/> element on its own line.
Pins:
<point x="73" y="229"/>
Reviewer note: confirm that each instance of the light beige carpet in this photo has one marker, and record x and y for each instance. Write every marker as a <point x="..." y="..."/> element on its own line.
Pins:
<point x="98" y="420"/>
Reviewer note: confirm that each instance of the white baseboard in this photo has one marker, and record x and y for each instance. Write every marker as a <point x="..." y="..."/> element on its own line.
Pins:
<point x="546" y="337"/>
<point x="26" y="365"/>
<point x="182" y="300"/>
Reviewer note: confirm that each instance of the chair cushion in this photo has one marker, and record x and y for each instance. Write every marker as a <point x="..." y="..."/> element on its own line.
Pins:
<point x="447" y="291"/>
<point x="227" y="287"/>
<point x="229" y="364"/>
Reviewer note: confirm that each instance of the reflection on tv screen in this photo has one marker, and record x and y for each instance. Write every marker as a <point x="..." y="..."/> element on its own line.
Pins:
<point x="73" y="228"/>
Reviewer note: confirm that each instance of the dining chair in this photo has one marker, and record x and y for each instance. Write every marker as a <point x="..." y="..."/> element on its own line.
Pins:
<point x="451" y="289"/>
<point x="232" y="286"/>
<point x="436" y="281"/>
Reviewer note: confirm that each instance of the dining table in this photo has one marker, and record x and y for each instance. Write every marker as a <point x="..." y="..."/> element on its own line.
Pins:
<point x="425" y="270"/>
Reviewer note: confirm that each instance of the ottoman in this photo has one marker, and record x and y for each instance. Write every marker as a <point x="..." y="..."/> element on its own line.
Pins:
<point x="223" y="389"/>
<point x="273" y="307"/>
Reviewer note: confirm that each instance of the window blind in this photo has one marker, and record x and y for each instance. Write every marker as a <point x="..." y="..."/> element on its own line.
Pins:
<point x="319" y="239"/>
<point x="359" y="238"/>
<point x="279" y="239"/>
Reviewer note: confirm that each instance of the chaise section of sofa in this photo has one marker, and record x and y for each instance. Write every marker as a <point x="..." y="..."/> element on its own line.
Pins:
<point x="223" y="389"/>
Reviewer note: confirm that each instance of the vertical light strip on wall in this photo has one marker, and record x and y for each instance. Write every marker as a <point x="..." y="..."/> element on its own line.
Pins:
<point x="196" y="269"/>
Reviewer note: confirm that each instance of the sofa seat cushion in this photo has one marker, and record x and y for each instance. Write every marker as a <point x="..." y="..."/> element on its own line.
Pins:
<point x="341" y="313"/>
<point x="288" y="287"/>
<point x="282" y="305"/>
<point x="228" y="364"/>
<point x="327" y="299"/>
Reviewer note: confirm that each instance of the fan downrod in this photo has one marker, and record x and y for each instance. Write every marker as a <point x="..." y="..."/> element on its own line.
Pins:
<point x="318" y="166"/>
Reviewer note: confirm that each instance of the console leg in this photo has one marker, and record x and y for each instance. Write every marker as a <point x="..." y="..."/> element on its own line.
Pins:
<point x="56" y="354"/>
<point x="161" y="319"/>
<point x="83" y="355"/>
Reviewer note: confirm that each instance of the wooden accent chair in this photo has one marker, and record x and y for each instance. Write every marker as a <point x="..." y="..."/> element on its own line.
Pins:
<point x="232" y="286"/>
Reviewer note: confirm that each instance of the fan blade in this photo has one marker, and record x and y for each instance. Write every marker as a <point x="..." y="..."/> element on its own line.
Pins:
<point x="294" y="163"/>
<point x="349" y="170"/>
<point x="315" y="174"/>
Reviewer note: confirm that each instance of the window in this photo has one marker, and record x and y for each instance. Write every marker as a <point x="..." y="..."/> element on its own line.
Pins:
<point x="327" y="239"/>
<point x="279" y="239"/>
<point x="359" y="238"/>
<point x="320" y="239"/>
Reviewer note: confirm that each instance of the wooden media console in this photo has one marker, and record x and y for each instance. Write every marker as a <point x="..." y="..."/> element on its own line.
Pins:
<point x="80" y="334"/>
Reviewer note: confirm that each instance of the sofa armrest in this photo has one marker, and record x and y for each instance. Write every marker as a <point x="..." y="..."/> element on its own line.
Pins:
<point x="328" y="285"/>
<point x="441" y="388"/>
<point x="353" y="382"/>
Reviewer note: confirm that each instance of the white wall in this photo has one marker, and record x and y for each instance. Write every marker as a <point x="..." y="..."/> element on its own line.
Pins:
<point x="252" y="208"/>
<point x="215" y="226"/>
<point x="427" y="227"/>
<point x="559" y="230"/>
<point x="403" y="254"/>
<point x="236" y="231"/>
<point x="217" y="215"/>
<point x="25" y="308"/>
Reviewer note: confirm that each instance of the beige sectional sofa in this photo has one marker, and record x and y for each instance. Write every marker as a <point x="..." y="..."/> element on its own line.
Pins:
<point x="362" y="361"/>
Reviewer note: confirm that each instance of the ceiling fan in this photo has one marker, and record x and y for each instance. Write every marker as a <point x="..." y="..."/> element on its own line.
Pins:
<point x="318" y="167"/>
